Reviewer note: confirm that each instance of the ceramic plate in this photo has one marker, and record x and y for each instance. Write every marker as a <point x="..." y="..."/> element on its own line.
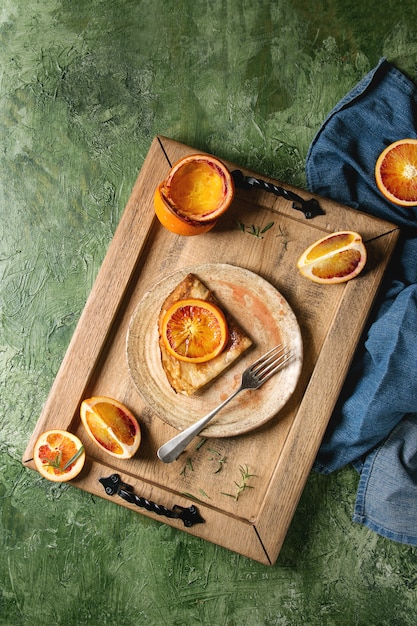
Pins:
<point x="264" y="315"/>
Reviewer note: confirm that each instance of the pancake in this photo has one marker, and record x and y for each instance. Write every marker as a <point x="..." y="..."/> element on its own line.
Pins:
<point x="188" y="378"/>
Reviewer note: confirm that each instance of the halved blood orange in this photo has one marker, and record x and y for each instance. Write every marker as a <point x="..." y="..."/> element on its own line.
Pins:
<point x="396" y="172"/>
<point x="336" y="258"/>
<point x="111" y="426"/>
<point x="58" y="455"/>
<point x="197" y="191"/>
<point x="194" y="330"/>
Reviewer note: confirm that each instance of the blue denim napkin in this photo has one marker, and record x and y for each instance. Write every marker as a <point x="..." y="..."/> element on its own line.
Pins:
<point x="374" y="425"/>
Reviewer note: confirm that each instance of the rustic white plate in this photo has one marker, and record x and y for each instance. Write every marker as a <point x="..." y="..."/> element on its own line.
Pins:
<point x="264" y="315"/>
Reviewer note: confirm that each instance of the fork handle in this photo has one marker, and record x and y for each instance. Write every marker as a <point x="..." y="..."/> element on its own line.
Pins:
<point x="171" y="450"/>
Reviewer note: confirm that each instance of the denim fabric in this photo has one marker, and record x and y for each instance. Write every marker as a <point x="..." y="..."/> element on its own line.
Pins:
<point x="374" y="425"/>
<point x="387" y="493"/>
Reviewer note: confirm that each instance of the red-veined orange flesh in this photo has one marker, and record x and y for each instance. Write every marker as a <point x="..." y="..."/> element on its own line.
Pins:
<point x="194" y="330"/>
<point x="396" y="172"/>
<point x="111" y="426"/>
<point x="58" y="455"/>
<point x="197" y="191"/>
<point x="336" y="258"/>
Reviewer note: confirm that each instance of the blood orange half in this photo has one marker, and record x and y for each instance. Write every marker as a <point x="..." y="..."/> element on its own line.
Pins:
<point x="58" y="455"/>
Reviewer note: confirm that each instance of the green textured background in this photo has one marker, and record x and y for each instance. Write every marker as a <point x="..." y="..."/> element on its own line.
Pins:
<point x="85" y="85"/>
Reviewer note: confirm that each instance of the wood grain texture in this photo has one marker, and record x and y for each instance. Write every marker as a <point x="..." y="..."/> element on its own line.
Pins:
<point x="279" y="454"/>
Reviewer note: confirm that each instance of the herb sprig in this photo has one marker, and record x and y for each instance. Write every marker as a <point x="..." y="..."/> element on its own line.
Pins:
<point x="221" y="460"/>
<point x="243" y="484"/>
<point x="56" y="463"/>
<point x="256" y="231"/>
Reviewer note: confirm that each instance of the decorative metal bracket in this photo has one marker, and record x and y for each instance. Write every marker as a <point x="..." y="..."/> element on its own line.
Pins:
<point x="310" y="208"/>
<point x="113" y="485"/>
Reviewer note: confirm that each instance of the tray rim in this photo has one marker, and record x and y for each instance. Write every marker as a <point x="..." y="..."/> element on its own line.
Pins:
<point x="64" y="411"/>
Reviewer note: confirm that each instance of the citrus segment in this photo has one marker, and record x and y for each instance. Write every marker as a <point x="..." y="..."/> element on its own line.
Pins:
<point x="111" y="426"/>
<point x="336" y="258"/>
<point x="396" y="172"/>
<point x="58" y="455"/>
<point x="194" y="330"/>
<point x="197" y="191"/>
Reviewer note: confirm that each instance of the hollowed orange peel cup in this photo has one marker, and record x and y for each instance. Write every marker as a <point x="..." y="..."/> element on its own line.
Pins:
<point x="197" y="191"/>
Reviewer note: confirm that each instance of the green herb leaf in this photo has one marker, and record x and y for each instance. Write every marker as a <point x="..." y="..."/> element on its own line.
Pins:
<point x="267" y="227"/>
<point x="243" y="485"/>
<point x="201" y="443"/>
<point x="188" y="466"/>
<point x="191" y="496"/>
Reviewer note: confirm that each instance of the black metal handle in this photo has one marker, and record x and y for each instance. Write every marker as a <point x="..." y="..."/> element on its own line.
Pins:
<point x="310" y="208"/>
<point x="113" y="485"/>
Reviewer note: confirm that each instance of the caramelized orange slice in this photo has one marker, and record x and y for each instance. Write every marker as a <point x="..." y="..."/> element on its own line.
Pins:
<point x="194" y="330"/>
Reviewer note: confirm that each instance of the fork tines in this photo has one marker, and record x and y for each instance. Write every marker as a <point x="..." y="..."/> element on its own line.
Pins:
<point x="272" y="361"/>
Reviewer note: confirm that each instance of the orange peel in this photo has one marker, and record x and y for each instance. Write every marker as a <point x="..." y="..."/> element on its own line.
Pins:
<point x="197" y="191"/>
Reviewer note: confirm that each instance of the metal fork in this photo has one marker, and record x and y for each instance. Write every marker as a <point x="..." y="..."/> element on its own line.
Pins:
<point x="253" y="377"/>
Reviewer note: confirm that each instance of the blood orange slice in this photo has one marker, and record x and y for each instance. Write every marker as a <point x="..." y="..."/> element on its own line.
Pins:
<point x="111" y="426"/>
<point x="336" y="258"/>
<point x="194" y="330"/>
<point x="396" y="172"/>
<point x="58" y="455"/>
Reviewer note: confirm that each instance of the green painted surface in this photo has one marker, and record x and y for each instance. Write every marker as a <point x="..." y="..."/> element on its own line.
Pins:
<point x="84" y="86"/>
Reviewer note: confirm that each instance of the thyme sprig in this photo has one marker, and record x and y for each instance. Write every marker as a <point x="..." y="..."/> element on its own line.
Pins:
<point x="221" y="460"/>
<point x="188" y="466"/>
<point x="256" y="231"/>
<point x="191" y="496"/>
<point x="243" y="484"/>
<point x="283" y="236"/>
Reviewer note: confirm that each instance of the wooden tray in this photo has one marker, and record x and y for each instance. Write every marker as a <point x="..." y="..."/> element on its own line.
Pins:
<point x="279" y="454"/>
